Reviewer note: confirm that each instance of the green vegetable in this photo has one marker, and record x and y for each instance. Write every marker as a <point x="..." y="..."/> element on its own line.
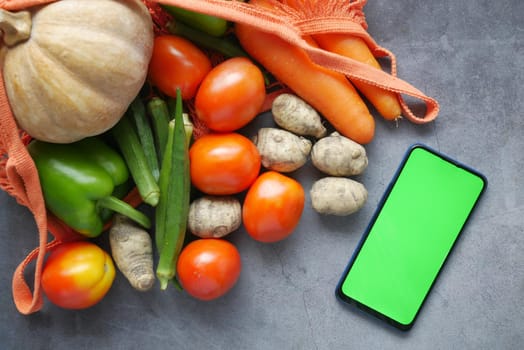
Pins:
<point x="208" y="24"/>
<point x="145" y="135"/>
<point x="159" y="114"/>
<point x="224" y="45"/>
<point x="173" y="207"/>
<point x="78" y="181"/>
<point x="127" y="139"/>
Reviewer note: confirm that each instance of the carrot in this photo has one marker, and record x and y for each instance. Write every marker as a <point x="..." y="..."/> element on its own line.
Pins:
<point x="330" y="93"/>
<point x="385" y="102"/>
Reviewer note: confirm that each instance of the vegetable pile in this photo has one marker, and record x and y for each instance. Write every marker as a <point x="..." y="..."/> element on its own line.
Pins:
<point x="176" y="138"/>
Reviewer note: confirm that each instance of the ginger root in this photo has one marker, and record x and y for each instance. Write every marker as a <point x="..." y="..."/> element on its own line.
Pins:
<point x="292" y="113"/>
<point x="281" y="150"/>
<point x="132" y="250"/>
<point x="337" y="155"/>
<point x="214" y="216"/>
<point x="338" y="196"/>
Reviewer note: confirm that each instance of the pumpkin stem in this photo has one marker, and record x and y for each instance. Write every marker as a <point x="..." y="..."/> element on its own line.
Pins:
<point x="15" y="26"/>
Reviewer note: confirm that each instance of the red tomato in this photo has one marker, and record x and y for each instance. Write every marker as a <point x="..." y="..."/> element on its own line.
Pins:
<point x="77" y="275"/>
<point x="177" y="63"/>
<point x="272" y="207"/>
<point x="231" y="95"/>
<point x="208" y="268"/>
<point x="223" y="164"/>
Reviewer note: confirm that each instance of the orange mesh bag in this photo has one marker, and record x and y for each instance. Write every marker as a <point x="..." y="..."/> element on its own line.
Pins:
<point x="319" y="17"/>
<point x="19" y="178"/>
<point x="18" y="174"/>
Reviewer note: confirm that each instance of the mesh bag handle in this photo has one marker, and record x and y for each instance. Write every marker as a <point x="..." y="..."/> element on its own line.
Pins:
<point x="326" y="16"/>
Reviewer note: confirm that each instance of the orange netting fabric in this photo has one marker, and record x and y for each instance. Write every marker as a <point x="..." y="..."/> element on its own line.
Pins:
<point x="18" y="174"/>
<point x="317" y="17"/>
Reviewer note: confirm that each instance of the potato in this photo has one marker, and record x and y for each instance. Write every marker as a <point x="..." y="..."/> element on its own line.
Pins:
<point x="338" y="196"/>
<point x="337" y="155"/>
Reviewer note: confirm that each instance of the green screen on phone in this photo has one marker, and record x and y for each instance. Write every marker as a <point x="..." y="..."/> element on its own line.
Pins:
<point x="410" y="236"/>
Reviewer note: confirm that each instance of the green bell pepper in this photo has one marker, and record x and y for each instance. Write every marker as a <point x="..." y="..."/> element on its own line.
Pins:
<point x="79" y="181"/>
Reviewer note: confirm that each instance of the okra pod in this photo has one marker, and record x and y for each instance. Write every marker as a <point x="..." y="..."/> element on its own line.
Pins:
<point x="161" y="210"/>
<point x="127" y="139"/>
<point x="173" y="208"/>
<point x="159" y="114"/>
<point x="188" y="125"/>
<point x="145" y="135"/>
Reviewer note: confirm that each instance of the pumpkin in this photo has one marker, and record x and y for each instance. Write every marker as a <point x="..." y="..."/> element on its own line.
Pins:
<point x="80" y="68"/>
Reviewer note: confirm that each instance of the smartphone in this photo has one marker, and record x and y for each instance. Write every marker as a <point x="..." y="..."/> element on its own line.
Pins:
<point x="410" y="236"/>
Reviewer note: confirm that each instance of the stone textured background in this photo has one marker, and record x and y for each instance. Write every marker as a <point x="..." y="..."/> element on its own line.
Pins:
<point x="469" y="56"/>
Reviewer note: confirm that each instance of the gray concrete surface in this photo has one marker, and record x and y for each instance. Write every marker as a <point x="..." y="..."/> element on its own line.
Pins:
<point x="467" y="54"/>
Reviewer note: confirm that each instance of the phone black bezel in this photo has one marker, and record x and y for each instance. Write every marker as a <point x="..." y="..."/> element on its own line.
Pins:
<point x="348" y="300"/>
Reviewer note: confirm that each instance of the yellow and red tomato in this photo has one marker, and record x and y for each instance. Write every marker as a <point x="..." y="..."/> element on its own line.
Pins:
<point x="272" y="207"/>
<point x="208" y="268"/>
<point x="77" y="275"/>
